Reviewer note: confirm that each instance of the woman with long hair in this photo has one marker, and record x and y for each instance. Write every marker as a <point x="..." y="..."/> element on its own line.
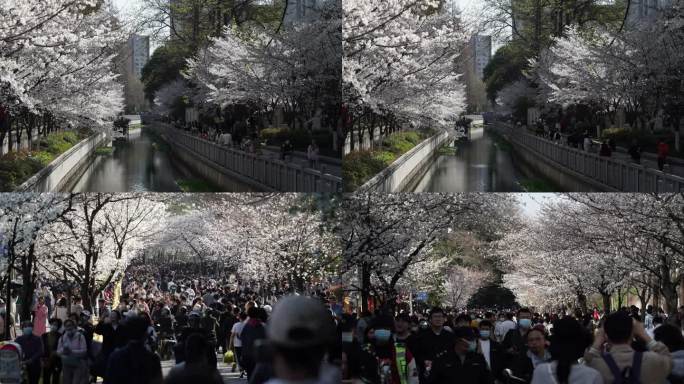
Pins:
<point x="568" y="343"/>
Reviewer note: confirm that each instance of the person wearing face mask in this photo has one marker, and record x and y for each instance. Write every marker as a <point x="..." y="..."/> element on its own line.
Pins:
<point x="470" y="366"/>
<point x="32" y="349"/>
<point x="515" y="343"/>
<point x="52" y="366"/>
<point x="404" y="342"/>
<point x="72" y="349"/>
<point x="381" y="361"/>
<point x="490" y="348"/>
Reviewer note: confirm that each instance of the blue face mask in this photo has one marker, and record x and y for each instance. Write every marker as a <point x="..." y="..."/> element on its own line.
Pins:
<point x="525" y="323"/>
<point x="382" y="335"/>
<point x="27" y="331"/>
<point x="484" y="334"/>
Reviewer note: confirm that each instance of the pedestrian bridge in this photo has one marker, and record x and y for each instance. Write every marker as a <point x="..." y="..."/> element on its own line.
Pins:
<point x="579" y="171"/>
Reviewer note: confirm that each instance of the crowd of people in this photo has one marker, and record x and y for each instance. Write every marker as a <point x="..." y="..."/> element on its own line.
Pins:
<point x="181" y="313"/>
<point x="441" y="347"/>
<point x="583" y="141"/>
<point x="249" y="143"/>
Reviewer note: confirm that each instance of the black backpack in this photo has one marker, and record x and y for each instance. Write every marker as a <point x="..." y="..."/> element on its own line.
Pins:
<point x="629" y="375"/>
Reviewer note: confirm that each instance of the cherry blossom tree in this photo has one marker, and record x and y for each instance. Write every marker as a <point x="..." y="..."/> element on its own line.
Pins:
<point x="461" y="283"/>
<point x="94" y="243"/>
<point x="23" y="217"/>
<point x="296" y="67"/>
<point x="386" y="236"/>
<point x="399" y="61"/>
<point x="56" y="61"/>
<point x="288" y="239"/>
<point x="589" y="244"/>
<point x="638" y="69"/>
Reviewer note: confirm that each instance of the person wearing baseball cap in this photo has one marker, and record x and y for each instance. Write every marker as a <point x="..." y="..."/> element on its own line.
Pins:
<point x="299" y="332"/>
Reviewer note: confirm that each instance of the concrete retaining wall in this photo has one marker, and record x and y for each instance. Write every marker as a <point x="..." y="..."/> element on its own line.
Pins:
<point x="401" y="174"/>
<point x="562" y="178"/>
<point x="227" y="167"/>
<point x="53" y="177"/>
<point x="216" y="175"/>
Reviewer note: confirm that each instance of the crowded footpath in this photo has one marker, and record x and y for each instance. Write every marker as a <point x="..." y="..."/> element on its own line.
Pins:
<point x="180" y="313"/>
<point x="479" y="347"/>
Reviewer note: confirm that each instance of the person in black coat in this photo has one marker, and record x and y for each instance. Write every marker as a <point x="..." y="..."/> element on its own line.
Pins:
<point x="134" y="364"/>
<point x="194" y="327"/>
<point x="435" y="350"/>
<point x="252" y="332"/>
<point x="52" y="364"/>
<point x="524" y="364"/>
<point x="470" y="367"/>
<point x="113" y="336"/>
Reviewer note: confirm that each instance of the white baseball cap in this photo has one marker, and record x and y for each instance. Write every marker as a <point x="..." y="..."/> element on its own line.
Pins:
<point x="300" y="322"/>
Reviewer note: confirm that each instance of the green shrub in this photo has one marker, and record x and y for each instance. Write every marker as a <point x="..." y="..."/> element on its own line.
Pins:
<point x="69" y="137"/>
<point x="42" y="157"/>
<point x="359" y="167"/>
<point x="624" y="137"/>
<point x="274" y="135"/>
<point x="54" y="144"/>
<point x="383" y="158"/>
<point x="402" y="142"/>
<point x="299" y="138"/>
<point x="104" y="151"/>
<point x="15" y="168"/>
<point x="617" y="134"/>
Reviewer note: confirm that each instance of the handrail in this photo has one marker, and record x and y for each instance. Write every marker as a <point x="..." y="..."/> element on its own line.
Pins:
<point x="272" y="173"/>
<point x="611" y="174"/>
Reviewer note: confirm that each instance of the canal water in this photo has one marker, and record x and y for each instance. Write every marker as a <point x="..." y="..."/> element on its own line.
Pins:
<point x="136" y="165"/>
<point x="479" y="165"/>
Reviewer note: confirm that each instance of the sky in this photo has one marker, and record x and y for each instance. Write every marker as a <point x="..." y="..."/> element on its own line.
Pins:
<point x="126" y="4"/>
<point x="531" y="203"/>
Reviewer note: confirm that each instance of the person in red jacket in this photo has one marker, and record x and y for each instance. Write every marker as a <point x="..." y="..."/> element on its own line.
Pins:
<point x="663" y="152"/>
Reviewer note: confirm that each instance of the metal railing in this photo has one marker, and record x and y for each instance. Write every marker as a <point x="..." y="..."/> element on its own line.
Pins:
<point x="273" y="173"/>
<point x="612" y="174"/>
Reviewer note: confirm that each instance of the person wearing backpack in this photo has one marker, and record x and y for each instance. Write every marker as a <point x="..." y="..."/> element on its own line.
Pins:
<point x="671" y="336"/>
<point x="618" y="362"/>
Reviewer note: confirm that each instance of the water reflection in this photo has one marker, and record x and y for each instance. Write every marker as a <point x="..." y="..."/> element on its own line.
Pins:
<point x="135" y="166"/>
<point x="478" y="166"/>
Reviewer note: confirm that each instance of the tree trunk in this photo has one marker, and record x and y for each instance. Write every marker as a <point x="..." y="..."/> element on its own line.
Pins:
<point x="28" y="278"/>
<point x="668" y="288"/>
<point x="365" y="286"/>
<point x="582" y="301"/>
<point x="606" y="302"/>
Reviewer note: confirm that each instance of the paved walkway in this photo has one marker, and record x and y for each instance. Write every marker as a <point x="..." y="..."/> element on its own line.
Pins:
<point x="298" y="158"/>
<point x="673" y="168"/>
